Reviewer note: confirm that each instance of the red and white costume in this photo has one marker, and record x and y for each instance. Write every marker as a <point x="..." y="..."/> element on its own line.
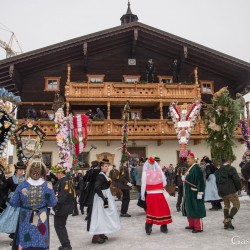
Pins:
<point x="153" y="182"/>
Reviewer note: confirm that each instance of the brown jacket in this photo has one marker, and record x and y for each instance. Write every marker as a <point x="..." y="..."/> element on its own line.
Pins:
<point x="124" y="177"/>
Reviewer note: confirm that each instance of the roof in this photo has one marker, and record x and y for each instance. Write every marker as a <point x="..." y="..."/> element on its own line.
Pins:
<point x="154" y="39"/>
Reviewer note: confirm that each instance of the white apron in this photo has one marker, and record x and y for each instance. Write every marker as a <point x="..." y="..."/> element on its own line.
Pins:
<point x="104" y="220"/>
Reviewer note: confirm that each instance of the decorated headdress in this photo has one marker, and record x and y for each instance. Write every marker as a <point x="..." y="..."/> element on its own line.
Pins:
<point x="36" y="168"/>
<point x="58" y="169"/>
<point x="152" y="174"/>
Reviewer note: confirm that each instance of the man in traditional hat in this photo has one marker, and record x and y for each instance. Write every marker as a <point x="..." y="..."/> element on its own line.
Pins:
<point x="65" y="193"/>
<point x="194" y="186"/>
<point x="125" y="186"/>
<point x="78" y="178"/>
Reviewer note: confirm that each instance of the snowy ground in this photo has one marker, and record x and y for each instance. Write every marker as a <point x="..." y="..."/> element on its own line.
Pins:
<point x="132" y="234"/>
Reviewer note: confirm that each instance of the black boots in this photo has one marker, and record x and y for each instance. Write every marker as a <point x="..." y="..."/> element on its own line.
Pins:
<point x="97" y="239"/>
<point x="148" y="228"/>
<point x="228" y="218"/>
<point x="164" y="228"/>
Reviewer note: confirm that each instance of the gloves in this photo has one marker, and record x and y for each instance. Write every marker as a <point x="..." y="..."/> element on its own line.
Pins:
<point x="183" y="178"/>
<point x="199" y="196"/>
<point x="129" y="184"/>
<point x="105" y="203"/>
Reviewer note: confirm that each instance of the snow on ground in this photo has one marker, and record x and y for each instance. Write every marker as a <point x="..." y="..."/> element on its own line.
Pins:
<point x="132" y="234"/>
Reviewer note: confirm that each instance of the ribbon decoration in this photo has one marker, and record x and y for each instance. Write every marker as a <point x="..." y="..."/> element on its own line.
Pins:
<point x="62" y="138"/>
<point x="7" y="127"/>
<point x="184" y="118"/>
<point x="79" y="133"/>
<point x="245" y="132"/>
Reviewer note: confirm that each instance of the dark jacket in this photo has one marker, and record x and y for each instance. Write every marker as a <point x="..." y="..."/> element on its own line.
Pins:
<point x="246" y="171"/>
<point x="65" y="192"/>
<point x="78" y="178"/>
<point x="52" y="178"/>
<point x="101" y="184"/>
<point x="88" y="191"/>
<point x="124" y="177"/>
<point x="227" y="180"/>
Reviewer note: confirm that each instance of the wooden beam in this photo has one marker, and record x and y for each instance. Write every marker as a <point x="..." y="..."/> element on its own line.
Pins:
<point x="85" y="57"/>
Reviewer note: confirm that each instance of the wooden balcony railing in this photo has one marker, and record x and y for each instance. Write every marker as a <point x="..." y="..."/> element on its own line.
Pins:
<point x="74" y="91"/>
<point x="142" y="129"/>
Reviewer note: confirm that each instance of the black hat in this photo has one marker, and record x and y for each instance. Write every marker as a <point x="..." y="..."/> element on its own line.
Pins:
<point x="94" y="163"/>
<point x="48" y="165"/>
<point x="105" y="161"/>
<point x="157" y="158"/>
<point x="19" y="165"/>
<point x="206" y="159"/>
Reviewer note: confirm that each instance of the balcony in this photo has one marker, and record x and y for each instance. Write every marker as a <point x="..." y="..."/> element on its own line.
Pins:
<point x="79" y="92"/>
<point x="142" y="129"/>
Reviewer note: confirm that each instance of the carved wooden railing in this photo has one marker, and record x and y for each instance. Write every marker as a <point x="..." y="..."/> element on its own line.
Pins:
<point x="144" y="129"/>
<point x="131" y="90"/>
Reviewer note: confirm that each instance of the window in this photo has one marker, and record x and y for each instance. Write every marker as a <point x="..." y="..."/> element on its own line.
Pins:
<point x="52" y="83"/>
<point x="96" y="78"/>
<point x="131" y="78"/>
<point x="207" y="87"/>
<point x="47" y="158"/>
<point x="165" y="79"/>
<point x="83" y="159"/>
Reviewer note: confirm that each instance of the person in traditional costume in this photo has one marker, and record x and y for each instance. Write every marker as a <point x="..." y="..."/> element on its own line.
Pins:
<point x="3" y="191"/>
<point x="179" y="174"/>
<point x="65" y="193"/>
<point x="153" y="183"/>
<point x="194" y="187"/>
<point x="33" y="196"/>
<point x="77" y="178"/>
<point x="245" y="170"/>
<point x="211" y="191"/>
<point x="8" y="218"/>
<point x="88" y="191"/>
<point x="104" y="217"/>
<point x="125" y="185"/>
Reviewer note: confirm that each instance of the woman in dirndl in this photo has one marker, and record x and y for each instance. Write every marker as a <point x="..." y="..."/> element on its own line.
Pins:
<point x="9" y="217"/>
<point x="104" y="217"/>
<point x="153" y="183"/>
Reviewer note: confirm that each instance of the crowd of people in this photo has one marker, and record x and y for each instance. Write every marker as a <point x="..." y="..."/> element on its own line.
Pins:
<point x="27" y="199"/>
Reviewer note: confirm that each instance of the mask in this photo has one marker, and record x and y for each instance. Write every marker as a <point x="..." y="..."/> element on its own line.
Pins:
<point x="35" y="171"/>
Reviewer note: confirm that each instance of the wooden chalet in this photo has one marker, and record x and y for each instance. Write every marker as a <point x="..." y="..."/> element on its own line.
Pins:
<point x="107" y="68"/>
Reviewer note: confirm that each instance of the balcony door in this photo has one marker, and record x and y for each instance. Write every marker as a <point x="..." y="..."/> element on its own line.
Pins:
<point x="137" y="151"/>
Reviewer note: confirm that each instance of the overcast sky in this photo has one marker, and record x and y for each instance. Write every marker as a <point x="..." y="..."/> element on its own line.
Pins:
<point x="223" y="25"/>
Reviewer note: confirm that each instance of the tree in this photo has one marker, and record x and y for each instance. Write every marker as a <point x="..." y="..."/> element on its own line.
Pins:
<point x="221" y="120"/>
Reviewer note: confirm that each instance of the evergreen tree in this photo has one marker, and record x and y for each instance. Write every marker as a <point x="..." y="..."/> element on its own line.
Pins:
<point x="221" y="121"/>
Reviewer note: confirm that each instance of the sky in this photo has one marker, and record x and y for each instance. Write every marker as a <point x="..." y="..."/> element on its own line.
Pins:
<point x="222" y="25"/>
